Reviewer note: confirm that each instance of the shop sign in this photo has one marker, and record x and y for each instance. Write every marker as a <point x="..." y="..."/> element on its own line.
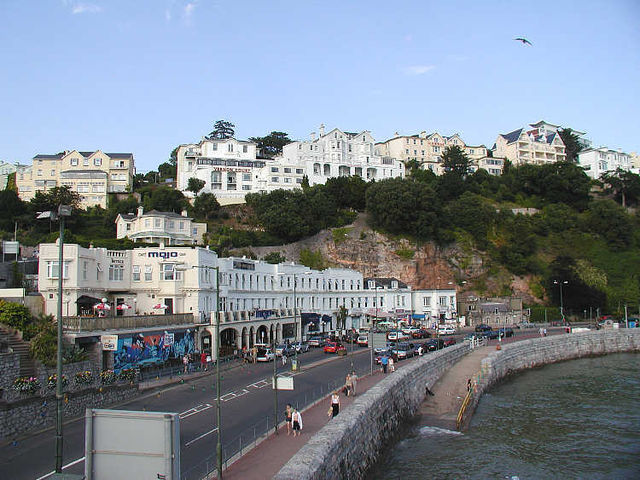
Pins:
<point x="109" y="342"/>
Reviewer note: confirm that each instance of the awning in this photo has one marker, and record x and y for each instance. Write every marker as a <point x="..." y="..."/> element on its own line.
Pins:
<point x="88" y="300"/>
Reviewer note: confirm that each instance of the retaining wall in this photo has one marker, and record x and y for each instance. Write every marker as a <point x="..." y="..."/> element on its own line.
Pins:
<point x="350" y="444"/>
<point x="537" y="352"/>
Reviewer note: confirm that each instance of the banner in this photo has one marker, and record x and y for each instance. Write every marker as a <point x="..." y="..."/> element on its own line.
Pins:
<point x="109" y="342"/>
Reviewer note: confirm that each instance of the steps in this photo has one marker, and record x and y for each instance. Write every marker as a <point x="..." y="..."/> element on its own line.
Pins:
<point x="21" y="347"/>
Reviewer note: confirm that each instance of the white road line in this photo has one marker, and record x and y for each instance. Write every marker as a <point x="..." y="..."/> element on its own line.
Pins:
<point x="201" y="436"/>
<point x="195" y="410"/>
<point x="65" y="466"/>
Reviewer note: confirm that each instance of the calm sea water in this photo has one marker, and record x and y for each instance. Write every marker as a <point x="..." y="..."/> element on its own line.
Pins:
<point x="573" y="420"/>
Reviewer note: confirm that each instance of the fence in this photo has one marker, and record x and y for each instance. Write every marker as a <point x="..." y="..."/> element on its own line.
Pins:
<point x="88" y="324"/>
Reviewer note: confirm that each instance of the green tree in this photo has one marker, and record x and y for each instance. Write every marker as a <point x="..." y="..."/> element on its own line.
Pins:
<point x="572" y="144"/>
<point x="11" y="207"/>
<point x="167" y="170"/>
<point x="312" y="259"/>
<point x="163" y="198"/>
<point x="173" y="157"/>
<point x="623" y="185"/>
<point x="473" y="214"/>
<point x="222" y="129"/>
<point x="19" y="317"/>
<point x="206" y="206"/>
<point x="274" y="258"/>
<point x="611" y="222"/>
<point x="271" y="145"/>
<point x="195" y="185"/>
<point x="52" y="199"/>
<point x="454" y="160"/>
<point x="348" y="192"/>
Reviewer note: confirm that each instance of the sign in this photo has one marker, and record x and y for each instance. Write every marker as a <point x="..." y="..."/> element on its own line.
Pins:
<point x="377" y="340"/>
<point x="168" y="339"/>
<point x="109" y="342"/>
<point x="10" y="248"/>
<point x="284" y="383"/>
<point x="164" y="255"/>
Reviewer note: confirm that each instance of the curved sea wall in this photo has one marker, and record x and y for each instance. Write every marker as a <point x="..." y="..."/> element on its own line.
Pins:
<point x="536" y="352"/>
<point x="350" y="444"/>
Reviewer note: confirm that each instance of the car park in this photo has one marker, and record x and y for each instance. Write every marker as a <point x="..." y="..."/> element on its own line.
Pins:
<point x="446" y="330"/>
<point x="265" y="355"/>
<point x="363" y="341"/>
<point x="334" y="347"/>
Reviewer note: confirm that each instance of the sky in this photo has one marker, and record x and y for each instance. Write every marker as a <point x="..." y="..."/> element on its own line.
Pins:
<point x="145" y="76"/>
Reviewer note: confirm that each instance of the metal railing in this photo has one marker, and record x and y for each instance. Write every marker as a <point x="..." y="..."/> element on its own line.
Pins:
<point x="88" y="324"/>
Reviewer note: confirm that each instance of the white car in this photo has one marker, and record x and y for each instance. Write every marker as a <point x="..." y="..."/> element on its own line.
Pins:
<point x="397" y="335"/>
<point x="446" y="330"/>
<point x="265" y="355"/>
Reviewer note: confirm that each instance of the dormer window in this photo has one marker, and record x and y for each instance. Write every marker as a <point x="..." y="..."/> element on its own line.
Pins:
<point x="394" y="284"/>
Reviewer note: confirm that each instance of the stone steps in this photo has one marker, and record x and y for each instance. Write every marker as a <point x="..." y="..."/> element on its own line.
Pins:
<point x="21" y="347"/>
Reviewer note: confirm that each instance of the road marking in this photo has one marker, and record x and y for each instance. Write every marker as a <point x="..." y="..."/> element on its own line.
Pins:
<point x="65" y="466"/>
<point x="195" y="410"/>
<point x="201" y="436"/>
<point x="260" y="384"/>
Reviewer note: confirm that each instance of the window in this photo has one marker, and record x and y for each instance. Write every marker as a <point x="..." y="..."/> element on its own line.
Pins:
<point x="148" y="273"/>
<point x="85" y="162"/>
<point x="136" y="273"/>
<point x="244" y="149"/>
<point x="214" y="146"/>
<point x="274" y="170"/>
<point x="287" y="170"/>
<point x="167" y="272"/>
<point x="39" y="173"/>
<point x="97" y="162"/>
<point x="74" y="162"/>
<point x="83" y="188"/>
<point x="230" y="147"/>
<point x="171" y="225"/>
<point x="84" y="269"/>
<point x="442" y="301"/>
<point x="216" y="180"/>
<point x="246" y="177"/>
<point x="246" y="187"/>
<point x="157" y="222"/>
<point x="299" y="171"/>
<point x="426" y="301"/>
<point x="181" y="225"/>
<point x="116" y="273"/>
<point x="275" y="179"/>
<point x="147" y="222"/>
<point x="53" y="271"/>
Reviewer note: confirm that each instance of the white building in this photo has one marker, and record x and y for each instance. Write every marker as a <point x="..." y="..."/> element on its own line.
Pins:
<point x="538" y="145"/>
<point x="7" y="169"/>
<point x="597" y="161"/>
<point x="168" y="228"/>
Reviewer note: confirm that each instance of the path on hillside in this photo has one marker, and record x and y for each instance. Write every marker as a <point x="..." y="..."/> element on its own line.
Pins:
<point x="449" y="391"/>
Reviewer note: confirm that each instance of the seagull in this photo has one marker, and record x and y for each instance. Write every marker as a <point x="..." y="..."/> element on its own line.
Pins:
<point x="523" y="40"/>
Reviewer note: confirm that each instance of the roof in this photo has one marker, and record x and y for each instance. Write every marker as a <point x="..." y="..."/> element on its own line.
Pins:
<point x="542" y="122"/>
<point x="164" y="214"/>
<point x="384" y="282"/>
<point x="512" y="136"/>
<point x="42" y="156"/>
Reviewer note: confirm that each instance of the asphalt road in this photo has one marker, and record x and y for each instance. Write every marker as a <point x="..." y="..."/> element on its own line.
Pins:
<point x="247" y="404"/>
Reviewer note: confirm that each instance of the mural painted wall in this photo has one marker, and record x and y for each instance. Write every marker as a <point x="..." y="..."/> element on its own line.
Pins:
<point x="139" y="350"/>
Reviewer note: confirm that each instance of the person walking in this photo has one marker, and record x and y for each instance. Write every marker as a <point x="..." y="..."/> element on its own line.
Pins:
<point x="203" y="361"/>
<point x="384" y="361"/>
<point x="284" y="359"/>
<point x="392" y="367"/>
<point x="354" y="383"/>
<point x="185" y="362"/>
<point x="348" y="385"/>
<point x="296" y="422"/>
<point x="288" y="411"/>
<point x="334" y="408"/>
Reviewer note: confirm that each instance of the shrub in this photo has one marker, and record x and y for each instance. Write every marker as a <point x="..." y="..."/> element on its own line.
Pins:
<point x="84" y="378"/>
<point x="52" y="381"/>
<point x="107" y="377"/>
<point x="127" y="374"/>
<point x="26" y="385"/>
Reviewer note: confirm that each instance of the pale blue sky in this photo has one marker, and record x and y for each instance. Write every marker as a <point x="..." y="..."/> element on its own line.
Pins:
<point x="144" y="76"/>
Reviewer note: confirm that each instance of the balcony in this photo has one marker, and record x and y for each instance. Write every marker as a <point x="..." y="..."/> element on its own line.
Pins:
<point x="133" y="322"/>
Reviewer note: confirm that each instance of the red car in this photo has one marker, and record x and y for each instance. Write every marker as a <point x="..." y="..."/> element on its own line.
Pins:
<point x="334" y="347"/>
<point x="448" y="341"/>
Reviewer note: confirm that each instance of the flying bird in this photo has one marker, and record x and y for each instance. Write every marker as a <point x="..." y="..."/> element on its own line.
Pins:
<point x="523" y="40"/>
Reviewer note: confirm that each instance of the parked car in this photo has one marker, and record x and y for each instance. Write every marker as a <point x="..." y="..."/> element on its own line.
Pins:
<point x="265" y="355"/>
<point x="434" y="344"/>
<point x="301" y="347"/>
<point x="284" y="349"/>
<point x="316" y="342"/>
<point x="421" y="333"/>
<point x="404" y="350"/>
<point x="363" y="341"/>
<point x="483" y="327"/>
<point x="409" y="330"/>
<point x="505" y="332"/>
<point x="397" y="335"/>
<point x="334" y="347"/>
<point x="490" y="334"/>
<point x="379" y="350"/>
<point x="446" y="330"/>
<point x="448" y="341"/>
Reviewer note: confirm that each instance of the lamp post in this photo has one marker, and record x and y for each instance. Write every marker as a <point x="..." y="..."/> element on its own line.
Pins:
<point x="217" y="352"/>
<point x="560" y="283"/>
<point x="63" y="211"/>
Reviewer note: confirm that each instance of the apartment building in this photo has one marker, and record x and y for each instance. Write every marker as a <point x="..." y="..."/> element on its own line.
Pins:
<point x="598" y="161"/>
<point x="538" y="145"/>
<point x="168" y="228"/>
<point x="7" y="169"/>
<point x="340" y="154"/>
<point x="229" y="168"/>
<point x="427" y="149"/>
<point x="93" y="175"/>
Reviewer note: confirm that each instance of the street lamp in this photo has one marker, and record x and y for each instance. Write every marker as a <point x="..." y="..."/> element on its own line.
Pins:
<point x="560" y="283"/>
<point x="63" y="211"/>
<point x="217" y="352"/>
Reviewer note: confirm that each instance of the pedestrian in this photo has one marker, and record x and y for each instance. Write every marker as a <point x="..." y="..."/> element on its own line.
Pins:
<point x="287" y="415"/>
<point x="392" y="367"/>
<point x="354" y="383"/>
<point x="385" y="362"/>
<point x="203" y="361"/>
<point x="254" y="354"/>
<point x="185" y="362"/>
<point x="348" y="385"/>
<point x="334" y="406"/>
<point x="541" y="331"/>
<point x="468" y="385"/>
<point x="544" y="332"/>
<point x="296" y="422"/>
<point x="284" y="359"/>
<point x="420" y="351"/>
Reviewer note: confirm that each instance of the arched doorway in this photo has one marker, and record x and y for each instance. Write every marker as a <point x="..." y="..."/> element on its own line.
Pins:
<point x="245" y="338"/>
<point x="252" y="337"/>
<point x="262" y="334"/>
<point x="205" y="341"/>
<point x="227" y="341"/>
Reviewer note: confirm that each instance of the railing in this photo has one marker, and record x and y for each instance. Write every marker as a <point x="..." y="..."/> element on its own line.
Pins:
<point x="463" y="409"/>
<point x="88" y="324"/>
<point x="252" y="316"/>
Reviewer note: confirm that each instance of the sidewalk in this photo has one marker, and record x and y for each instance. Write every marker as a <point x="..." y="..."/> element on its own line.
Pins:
<point x="266" y="459"/>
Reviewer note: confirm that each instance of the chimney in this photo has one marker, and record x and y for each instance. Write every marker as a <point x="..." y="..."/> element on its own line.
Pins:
<point x="321" y="130"/>
<point x="140" y="211"/>
<point x="312" y="135"/>
<point x="183" y="213"/>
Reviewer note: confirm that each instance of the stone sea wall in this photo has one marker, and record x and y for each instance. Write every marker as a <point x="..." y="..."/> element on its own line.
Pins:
<point x="350" y="444"/>
<point x="537" y="352"/>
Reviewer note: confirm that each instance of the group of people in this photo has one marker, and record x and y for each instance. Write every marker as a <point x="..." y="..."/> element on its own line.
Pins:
<point x="543" y="332"/>
<point x="387" y="363"/>
<point x="293" y="419"/>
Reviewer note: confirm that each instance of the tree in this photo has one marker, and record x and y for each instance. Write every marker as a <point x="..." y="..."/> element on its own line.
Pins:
<point x="195" y="185"/>
<point x="52" y="199"/>
<point x="173" y="157"/>
<point x="271" y="145"/>
<point x="167" y="170"/>
<point x="454" y="160"/>
<point x="624" y="185"/>
<point x="274" y="258"/>
<point x="412" y="166"/>
<point x="221" y="130"/>
<point x="206" y="206"/>
<point x="163" y="198"/>
<point x="609" y="220"/>
<point x="10" y="207"/>
<point x="572" y="144"/>
<point x="341" y="317"/>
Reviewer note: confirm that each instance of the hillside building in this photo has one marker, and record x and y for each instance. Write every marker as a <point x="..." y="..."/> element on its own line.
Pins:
<point x="168" y="228"/>
<point x="598" y="161"/>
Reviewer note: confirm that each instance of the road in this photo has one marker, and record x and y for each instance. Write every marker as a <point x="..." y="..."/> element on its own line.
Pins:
<point x="247" y="401"/>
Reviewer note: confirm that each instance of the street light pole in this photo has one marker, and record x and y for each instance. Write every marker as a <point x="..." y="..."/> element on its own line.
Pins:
<point x="218" y="383"/>
<point x="295" y="322"/>
<point x="560" y="283"/>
